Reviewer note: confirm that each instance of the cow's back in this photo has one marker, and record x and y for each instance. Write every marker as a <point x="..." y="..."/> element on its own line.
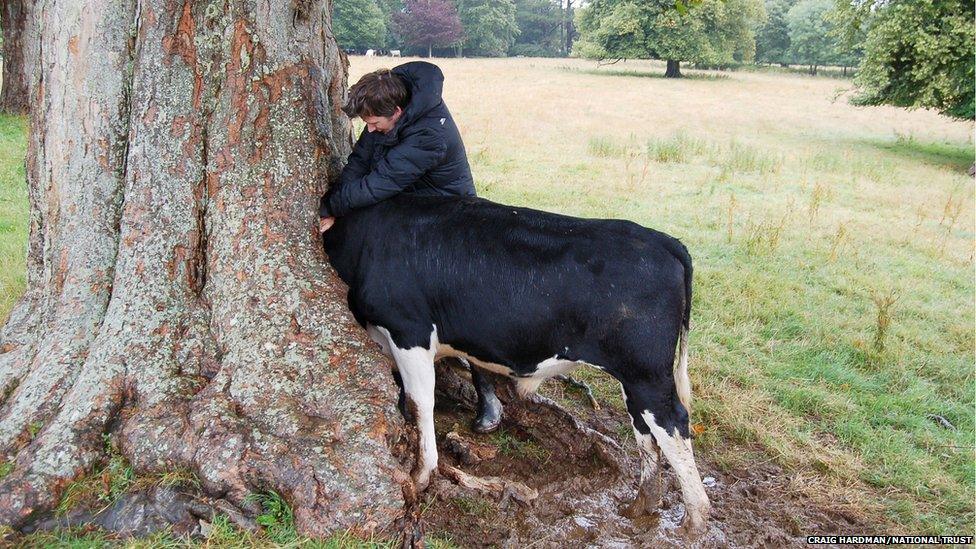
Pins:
<point x="512" y="285"/>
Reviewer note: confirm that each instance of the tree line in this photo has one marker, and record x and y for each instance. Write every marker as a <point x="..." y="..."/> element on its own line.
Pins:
<point x="484" y="28"/>
<point x="907" y="53"/>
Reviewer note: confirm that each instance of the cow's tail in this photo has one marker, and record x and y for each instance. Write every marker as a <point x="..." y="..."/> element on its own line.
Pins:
<point x="681" y="380"/>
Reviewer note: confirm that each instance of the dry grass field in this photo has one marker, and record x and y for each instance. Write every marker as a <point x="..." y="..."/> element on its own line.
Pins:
<point x="833" y="324"/>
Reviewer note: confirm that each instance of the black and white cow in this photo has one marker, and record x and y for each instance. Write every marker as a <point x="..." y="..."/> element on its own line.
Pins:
<point x="530" y="295"/>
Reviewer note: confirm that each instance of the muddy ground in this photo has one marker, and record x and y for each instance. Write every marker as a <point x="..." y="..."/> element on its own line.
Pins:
<point x="583" y="499"/>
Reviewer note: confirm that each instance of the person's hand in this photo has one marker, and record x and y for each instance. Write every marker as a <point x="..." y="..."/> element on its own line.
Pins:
<point x="325" y="223"/>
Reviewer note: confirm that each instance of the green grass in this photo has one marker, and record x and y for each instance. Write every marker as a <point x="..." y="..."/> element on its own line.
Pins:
<point x="685" y="74"/>
<point x="13" y="211"/>
<point x="511" y="445"/>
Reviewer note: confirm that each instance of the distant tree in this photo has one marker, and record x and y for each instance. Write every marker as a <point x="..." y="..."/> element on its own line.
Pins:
<point x="390" y="8"/>
<point x="811" y="42"/>
<point x="917" y="53"/>
<point x="359" y="24"/>
<point x="490" y="26"/>
<point x="539" y="23"/>
<point x="428" y="23"/>
<point x="711" y="32"/>
<point x="773" y="37"/>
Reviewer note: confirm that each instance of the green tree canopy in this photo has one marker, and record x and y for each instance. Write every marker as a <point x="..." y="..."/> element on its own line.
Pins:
<point x="539" y="23"/>
<point x="712" y="32"/>
<point x="773" y="37"/>
<point x="917" y="53"/>
<point x="811" y="39"/>
<point x="490" y="26"/>
<point x="359" y="24"/>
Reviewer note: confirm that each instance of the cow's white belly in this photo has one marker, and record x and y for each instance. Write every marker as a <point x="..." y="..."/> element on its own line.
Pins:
<point x="527" y="383"/>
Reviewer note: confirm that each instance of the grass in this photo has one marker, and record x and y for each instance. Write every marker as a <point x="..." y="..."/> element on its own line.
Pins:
<point x="685" y="72"/>
<point x="803" y="214"/>
<point x="511" y="445"/>
<point x="13" y="210"/>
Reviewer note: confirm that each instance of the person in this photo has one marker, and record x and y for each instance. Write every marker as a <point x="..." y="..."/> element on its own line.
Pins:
<point x="410" y="145"/>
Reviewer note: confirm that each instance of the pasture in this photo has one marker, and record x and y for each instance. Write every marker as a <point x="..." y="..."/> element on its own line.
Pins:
<point x="832" y="333"/>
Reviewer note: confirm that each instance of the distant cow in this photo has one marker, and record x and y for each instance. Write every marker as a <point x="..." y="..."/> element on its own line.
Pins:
<point x="394" y="53"/>
<point x="529" y="295"/>
<point x="370" y="53"/>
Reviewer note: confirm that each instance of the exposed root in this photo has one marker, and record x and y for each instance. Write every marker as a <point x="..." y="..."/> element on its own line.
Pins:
<point x="498" y="487"/>
<point x="573" y="382"/>
<point x="467" y="451"/>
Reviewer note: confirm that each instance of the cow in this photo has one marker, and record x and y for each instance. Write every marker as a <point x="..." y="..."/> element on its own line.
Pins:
<point x="529" y="295"/>
<point x="370" y="53"/>
<point x="394" y="53"/>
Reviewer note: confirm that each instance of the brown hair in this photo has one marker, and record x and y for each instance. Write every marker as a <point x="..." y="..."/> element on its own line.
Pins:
<point x="378" y="93"/>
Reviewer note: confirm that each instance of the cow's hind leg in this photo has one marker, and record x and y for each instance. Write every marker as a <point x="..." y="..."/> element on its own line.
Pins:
<point x="658" y="414"/>
<point x="648" y="500"/>
<point x="416" y="367"/>
<point x="489" y="407"/>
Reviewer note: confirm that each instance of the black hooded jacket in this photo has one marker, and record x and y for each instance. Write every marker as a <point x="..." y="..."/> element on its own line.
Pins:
<point x="422" y="154"/>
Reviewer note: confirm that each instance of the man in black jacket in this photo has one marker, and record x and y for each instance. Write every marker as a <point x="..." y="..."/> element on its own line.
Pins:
<point x="410" y="145"/>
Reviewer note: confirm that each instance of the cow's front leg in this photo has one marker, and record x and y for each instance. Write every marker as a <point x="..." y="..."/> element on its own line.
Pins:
<point x="416" y="366"/>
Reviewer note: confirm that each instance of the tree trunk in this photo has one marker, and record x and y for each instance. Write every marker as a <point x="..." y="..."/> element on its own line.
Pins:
<point x="178" y="297"/>
<point x="570" y="30"/>
<point x="673" y="70"/>
<point x="13" y="96"/>
<point x="430" y="51"/>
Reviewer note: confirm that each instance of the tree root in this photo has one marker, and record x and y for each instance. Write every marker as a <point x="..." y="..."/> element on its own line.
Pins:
<point x="573" y="382"/>
<point x="499" y="487"/>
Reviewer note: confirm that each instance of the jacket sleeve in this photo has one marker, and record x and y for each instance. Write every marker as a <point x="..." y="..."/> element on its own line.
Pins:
<point x="400" y="168"/>
<point x="356" y="167"/>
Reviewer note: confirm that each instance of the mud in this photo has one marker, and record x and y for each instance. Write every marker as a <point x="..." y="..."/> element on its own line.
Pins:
<point x="583" y="498"/>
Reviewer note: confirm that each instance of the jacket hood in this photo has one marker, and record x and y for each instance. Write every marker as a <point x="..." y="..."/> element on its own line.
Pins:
<point x="426" y="83"/>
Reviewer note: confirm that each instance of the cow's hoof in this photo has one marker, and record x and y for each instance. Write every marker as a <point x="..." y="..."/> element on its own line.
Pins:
<point x="643" y="506"/>
<point x="693" y="526"/>
<point x="421" y="481"/>
<point x="489" y="416"/>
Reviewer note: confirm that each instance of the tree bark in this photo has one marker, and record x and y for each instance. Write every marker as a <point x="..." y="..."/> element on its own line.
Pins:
<point x="673" y="70"/>
<point x="178" y="297"/>
<point x="570" y="29"/>
<point x="13" y="18"/>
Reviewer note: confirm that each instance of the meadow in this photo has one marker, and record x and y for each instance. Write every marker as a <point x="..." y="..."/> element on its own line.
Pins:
<point x="833" y="321"/>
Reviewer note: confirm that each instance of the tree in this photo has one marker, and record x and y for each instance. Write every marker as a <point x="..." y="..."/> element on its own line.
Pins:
<point x="428" y="23"/>
<point x="917" y="53"/>
<point x="811" y="42"/>
<point x="773" y="38"/>
<point x="709" y="32"/>
<point x="489" y="26"/>
<point x="390" y="8"/>
<point x="13" y="96"/>
<point x="178" y="298"/>
<point x="538" y="22"/>
<point x="359" y="24"/>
